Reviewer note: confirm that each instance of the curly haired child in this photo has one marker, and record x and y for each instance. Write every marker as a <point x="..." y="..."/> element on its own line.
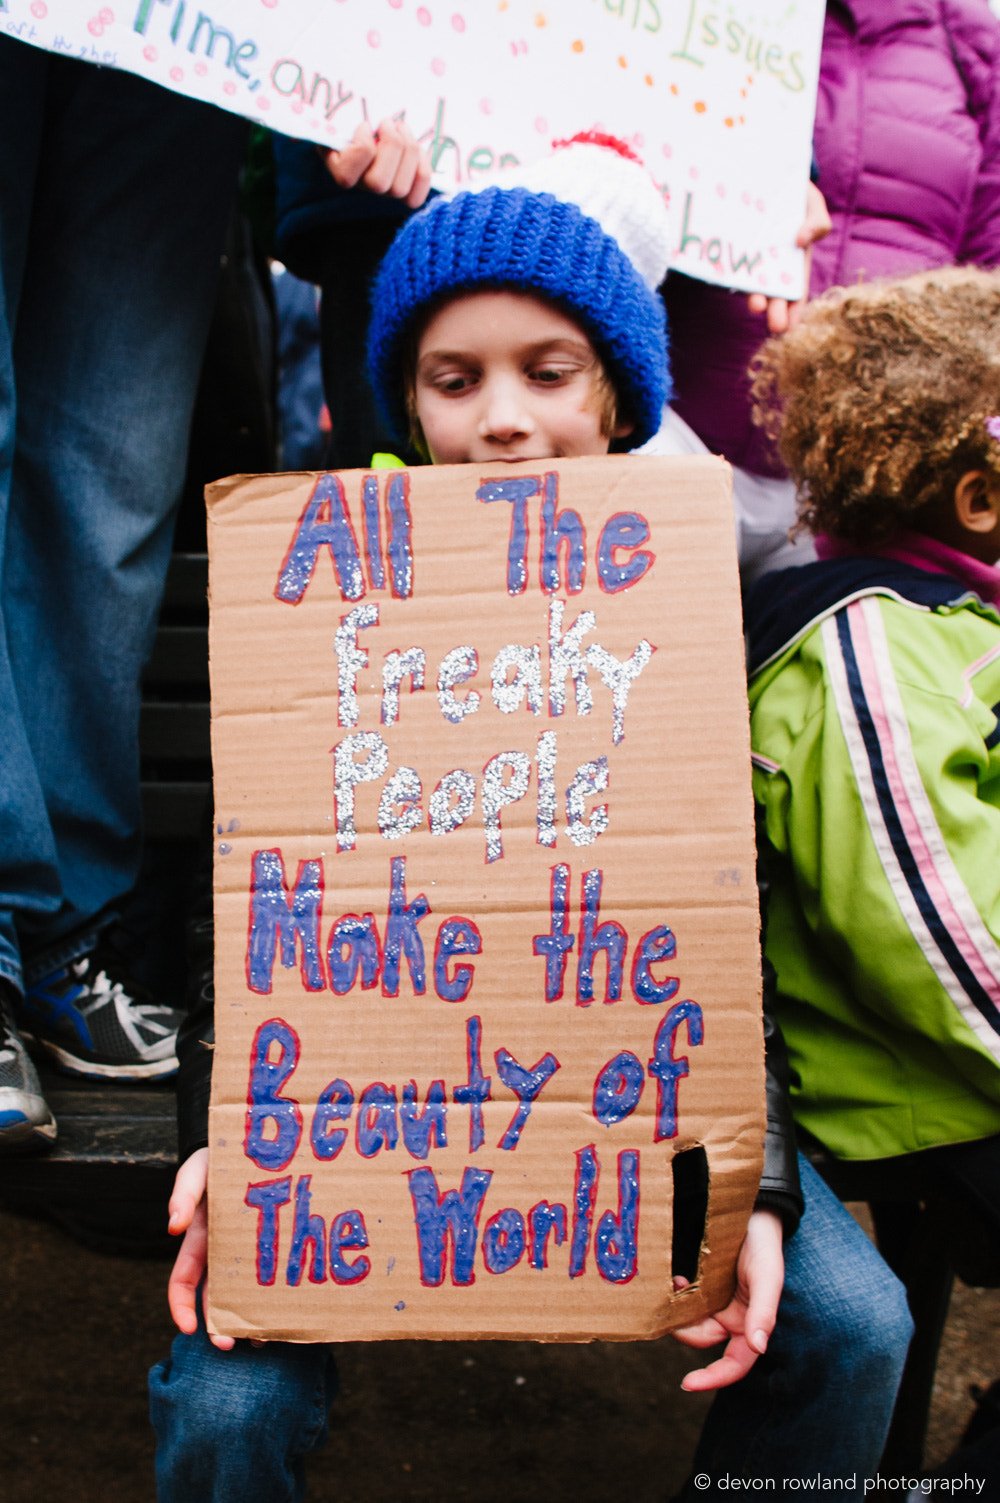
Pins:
<point x="875" y="696"/>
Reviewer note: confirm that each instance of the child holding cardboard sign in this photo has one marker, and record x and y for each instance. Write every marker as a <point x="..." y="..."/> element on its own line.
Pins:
<point x="522" y="323"/>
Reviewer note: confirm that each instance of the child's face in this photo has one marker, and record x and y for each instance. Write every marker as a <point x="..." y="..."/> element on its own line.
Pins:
<point x="506" y="376"/>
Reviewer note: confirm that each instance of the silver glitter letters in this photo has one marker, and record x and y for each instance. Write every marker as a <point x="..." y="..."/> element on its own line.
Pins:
<point x="546" y="759"/>
<point x="565" y="657"/>
<point x="591" y="777"/>
<point x="619" y="677"/>
<point x="497" y="793"/>
<point x="347" y="774"/>
<point x="526" y="683"/>
<point x="404" y="789"/>
<point x="444" y="817"/>
<point x="461" y="664"/>
<point x="351" y="659"/>
<point x="395" y="668"/>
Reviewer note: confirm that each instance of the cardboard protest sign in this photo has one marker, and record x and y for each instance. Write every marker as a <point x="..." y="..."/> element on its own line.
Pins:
<point x="718" y="101"/>
<point x="486" y="916"/>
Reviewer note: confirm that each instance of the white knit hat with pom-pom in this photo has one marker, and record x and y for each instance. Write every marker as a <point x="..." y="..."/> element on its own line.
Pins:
<point x="607" y="181"/>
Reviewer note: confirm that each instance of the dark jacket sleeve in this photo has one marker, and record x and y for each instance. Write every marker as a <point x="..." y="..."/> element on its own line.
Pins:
<point x="196" y="1040"/>
<point x="780" y="1190"/>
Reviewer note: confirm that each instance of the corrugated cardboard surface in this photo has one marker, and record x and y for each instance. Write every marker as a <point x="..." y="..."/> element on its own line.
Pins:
<point x="677" y="851"/>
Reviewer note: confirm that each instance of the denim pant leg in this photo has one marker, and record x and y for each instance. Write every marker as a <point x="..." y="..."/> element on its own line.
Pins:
<point x="114" y="199"/>
<point x="821" y="1399"/>
<point x="235" y="1427"/>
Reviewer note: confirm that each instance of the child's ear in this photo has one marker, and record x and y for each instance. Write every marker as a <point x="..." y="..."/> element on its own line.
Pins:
<point x="623" y="428"/>
<point x="976" y="502"/>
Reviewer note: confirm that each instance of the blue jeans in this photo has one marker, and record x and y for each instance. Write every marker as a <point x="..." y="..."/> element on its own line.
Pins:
<point x="235" y="1425"/>
<point x="821" y="1399"/>
<point x="114" y="199"/>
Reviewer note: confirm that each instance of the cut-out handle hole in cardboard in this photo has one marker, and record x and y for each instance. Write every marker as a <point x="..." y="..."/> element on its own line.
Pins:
<point x="689" y="1172"/>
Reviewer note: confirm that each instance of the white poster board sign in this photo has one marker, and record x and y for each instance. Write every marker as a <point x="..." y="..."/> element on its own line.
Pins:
<point x="717" y="100"/>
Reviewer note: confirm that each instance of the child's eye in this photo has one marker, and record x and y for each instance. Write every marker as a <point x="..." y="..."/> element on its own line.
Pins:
<point x="550" y="375"/>
<point x="455" y="381"/>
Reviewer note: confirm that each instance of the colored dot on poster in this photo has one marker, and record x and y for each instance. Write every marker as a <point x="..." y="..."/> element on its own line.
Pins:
<point x="373" y="39"/>
<point x="540" y="19"/>
<point x="649" y="79"/>
<point x="95" y="27"/>
<point x="667" y="150"/>
<point x="773" y="252"/>
<point x="786" y="277"/>
<point x="760" y="205"/>
<point x="700" y="106"/>
<point x="541" y="125"/>
<point x="39" y="10"/>
<point x="638" y="140"/>
<point x="229" y="88"/>
<point x="149" y="53"/>
<point x="458" y="22"/>
<point x="263" y="104"/>
<point x="424" y="16"/>
<point x="297" y="106"/>
<point x="674" y="89"/>
<point x="201" y="69"/>
<point x="577" y="46"/>
<point x="486" y="105"/>
<point x="437" y="66"/>
<point x="729" y="121"/>
<point x="622" y="63"/>
<point x="177" y="74"/>
<point x="720" y="189"/>
<point x="269" y="3"/>
<point x="746" y="199"/>
<point x="107" y="16"/>
<point x="693" y="173"/>
<point x="396" y="4"/>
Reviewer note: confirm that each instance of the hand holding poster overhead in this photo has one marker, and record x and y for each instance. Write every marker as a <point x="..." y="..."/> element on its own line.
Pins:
<point x="486" y="915"/>
<point x="717" y="101"/>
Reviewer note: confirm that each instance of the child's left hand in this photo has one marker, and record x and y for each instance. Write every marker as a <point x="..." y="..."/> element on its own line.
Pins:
<point x="189" y="1214"/>
<point x="748" y="1319"/>
<point x="387" y="161"/>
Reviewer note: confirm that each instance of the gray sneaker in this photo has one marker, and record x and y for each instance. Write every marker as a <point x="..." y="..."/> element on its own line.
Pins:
<point x="26" y="1124"/>
<point x="94" y="1019"/>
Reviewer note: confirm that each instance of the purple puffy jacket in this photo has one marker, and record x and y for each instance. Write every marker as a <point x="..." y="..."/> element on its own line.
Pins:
<point x="907" y="141"/>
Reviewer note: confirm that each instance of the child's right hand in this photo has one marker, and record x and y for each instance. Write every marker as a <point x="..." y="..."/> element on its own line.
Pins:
<point x="388" y="161"/>
<point x="189" y="1214"/>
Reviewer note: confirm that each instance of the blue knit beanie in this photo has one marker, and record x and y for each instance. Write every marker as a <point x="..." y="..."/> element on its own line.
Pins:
<point x="527" y="241"/>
